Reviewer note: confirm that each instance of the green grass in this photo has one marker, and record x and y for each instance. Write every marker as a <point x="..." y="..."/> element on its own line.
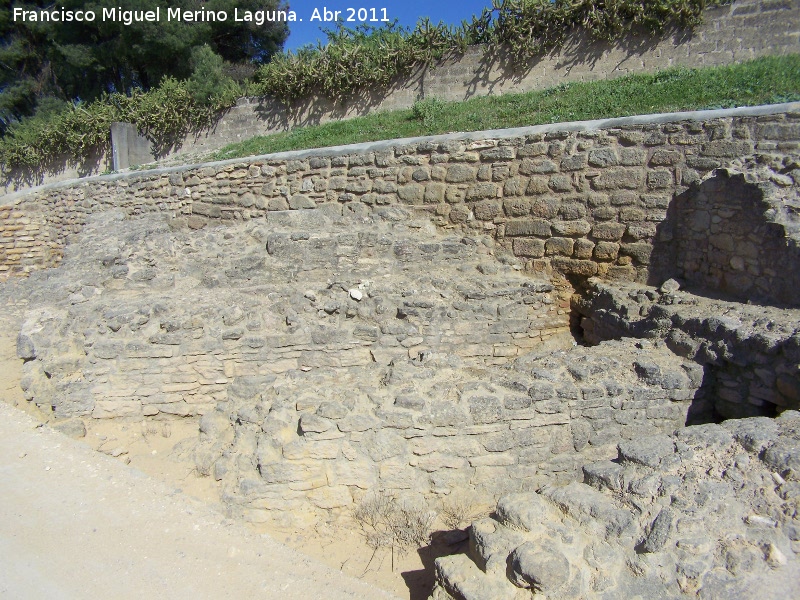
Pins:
<point x="763" y="81"/>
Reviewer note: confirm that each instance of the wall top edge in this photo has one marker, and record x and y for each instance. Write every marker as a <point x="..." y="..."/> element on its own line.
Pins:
<point x="383" y="145"/>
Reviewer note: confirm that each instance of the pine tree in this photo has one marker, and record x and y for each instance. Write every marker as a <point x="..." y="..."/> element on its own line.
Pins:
<point x="81" y="60"/>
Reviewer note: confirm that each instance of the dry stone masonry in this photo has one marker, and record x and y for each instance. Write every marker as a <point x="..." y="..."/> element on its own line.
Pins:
<point x="535" y="314"/>
<point x="749" y="354"/>
<point x="579" y="199"/>
<point x="161" y="321"/>
<point x="333" y="355"/>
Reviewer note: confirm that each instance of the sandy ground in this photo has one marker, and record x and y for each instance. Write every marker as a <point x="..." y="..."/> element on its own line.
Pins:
<point x="157" y="449"/>
<point x="77" y="524"/>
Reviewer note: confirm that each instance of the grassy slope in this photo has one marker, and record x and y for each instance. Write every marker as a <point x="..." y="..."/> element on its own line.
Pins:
<point x="762" y="81"/>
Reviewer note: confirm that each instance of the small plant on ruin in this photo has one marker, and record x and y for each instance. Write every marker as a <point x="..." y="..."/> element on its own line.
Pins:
<point x="459" y="509"/>
<point x="149" y="429"/>
<point x="412" y="525"/>
<point x="396" y="525"/>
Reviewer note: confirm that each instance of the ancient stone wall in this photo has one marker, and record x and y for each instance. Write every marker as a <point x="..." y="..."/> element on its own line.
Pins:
<point x="25" y="242"/>
<point x="750" y="354"/>
<point x="740" y="237"/>
<point x="396" y="316"/>
<point x="580" y="199"/>
<point x="743" y="30"/>
<point x="330" y="353"/>
<point x="143" y="320"/>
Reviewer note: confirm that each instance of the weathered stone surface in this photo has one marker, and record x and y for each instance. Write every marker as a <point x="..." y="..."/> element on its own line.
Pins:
<point x="526" y="512"/>
<point x="354" y="345"/>
<point x="659" y="531"/>
<point x="541" y="570"/>
<point x="647" y="451"/>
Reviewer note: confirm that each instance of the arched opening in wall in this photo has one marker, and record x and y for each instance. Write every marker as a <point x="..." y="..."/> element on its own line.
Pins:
<point x="736" y="238"/>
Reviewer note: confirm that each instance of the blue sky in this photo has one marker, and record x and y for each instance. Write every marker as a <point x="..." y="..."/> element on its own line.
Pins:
<point x="406" y="12"/>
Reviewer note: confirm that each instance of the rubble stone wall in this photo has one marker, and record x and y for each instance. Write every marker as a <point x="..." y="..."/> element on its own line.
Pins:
<point x="740" y="237"/>
<point x="329" y="354"/>
<point x="750" y="353"/>
<point x="581" y="199"/>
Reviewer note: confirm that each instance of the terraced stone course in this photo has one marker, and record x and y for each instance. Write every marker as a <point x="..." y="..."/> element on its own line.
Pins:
<point x="598" y="198"/>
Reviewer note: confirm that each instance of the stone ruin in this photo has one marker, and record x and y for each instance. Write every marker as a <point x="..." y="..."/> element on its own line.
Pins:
<point x="632" y="404"/>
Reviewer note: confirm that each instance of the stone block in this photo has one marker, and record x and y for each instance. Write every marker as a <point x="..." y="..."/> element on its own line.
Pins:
<point x="612" y="232"/>
<point x="583" y="248"/>
<point x="515" y="186"/>
<point x="537" y="166"/>
<point x="639" y="251"/>
<point x="648" y="451"/>
<point x="659" y="179"/>
<point x="538" y="186"/>
<point x="571" y="228"/>
<point x="606" y="251"/>
<point x="543" y="570"/>
<point x="726" y="149"/>
<point x="482" y="190"/>
<point x="617" y="178"/>
<point x="460" y="174"/>
<point x="528" y="227"/>
<point x="665" y="158"/>
<point x="584" y="268"/>
<point x="459" y="213"/>
<point x="527" y="247"/>
<point x="560" y="183"/>
<point x="412" y="193"/>
<point x="486" y="210"/>
<point x="603" y="157"/>
<point x="501" y="153"/>
<point x="574" y="163"/>
<point x="559" y="246"/>
<point x="434" y="192"/>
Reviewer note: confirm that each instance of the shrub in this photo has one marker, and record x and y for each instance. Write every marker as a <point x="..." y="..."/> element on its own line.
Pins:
<point x="208" y="83"/>
<point x="368" y="57"/>
<point x="427" y="111"/>
<point x="459" y="509"/>
<point x="386" y="522"/>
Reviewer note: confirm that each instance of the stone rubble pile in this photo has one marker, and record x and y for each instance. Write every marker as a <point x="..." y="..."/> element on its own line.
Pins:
<point x="750" y="354"/>
<point x="712" y="511"/>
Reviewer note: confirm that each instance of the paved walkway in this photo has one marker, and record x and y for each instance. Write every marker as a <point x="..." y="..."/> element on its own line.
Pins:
<point x="75" y="524"/>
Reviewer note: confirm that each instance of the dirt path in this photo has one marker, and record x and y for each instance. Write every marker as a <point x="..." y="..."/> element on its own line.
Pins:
<point x="77" y="524"/>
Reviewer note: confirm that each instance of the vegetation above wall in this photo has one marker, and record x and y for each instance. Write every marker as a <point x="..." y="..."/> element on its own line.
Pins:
<point x="365" y="58"/>
<point x="762" y="81"/>
<point x="70" y="57"/>
<point x="352" y="60"/>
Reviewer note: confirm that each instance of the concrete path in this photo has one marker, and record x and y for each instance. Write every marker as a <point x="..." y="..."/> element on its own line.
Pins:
<point x="75" y="524"/>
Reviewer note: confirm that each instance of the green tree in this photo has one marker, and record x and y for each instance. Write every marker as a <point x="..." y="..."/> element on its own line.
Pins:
<point x="84" y="60"/>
